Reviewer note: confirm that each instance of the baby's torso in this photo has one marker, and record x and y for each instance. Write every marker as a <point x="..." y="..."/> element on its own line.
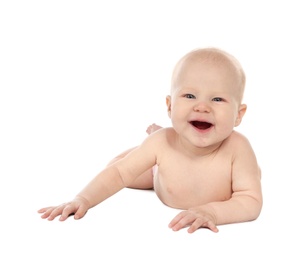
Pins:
<point x="183" y="182"/>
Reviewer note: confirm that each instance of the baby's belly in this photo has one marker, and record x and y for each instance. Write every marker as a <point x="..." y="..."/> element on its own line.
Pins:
<point x="184" y="193"/>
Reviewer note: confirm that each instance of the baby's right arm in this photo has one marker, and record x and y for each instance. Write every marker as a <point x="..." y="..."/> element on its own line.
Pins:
<point x="109" y="181"/>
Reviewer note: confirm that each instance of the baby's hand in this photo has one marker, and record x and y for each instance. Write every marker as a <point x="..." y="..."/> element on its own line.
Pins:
<point x="195" y="218"/>
<point x="77" y="207"/>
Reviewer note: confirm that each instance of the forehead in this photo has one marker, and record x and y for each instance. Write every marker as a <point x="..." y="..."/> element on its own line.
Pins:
<point x="209" y="65"/>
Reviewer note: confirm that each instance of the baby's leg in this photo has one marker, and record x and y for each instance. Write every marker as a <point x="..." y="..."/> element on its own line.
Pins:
<point x="145" y="180"/>
<point x="153" y="128"/>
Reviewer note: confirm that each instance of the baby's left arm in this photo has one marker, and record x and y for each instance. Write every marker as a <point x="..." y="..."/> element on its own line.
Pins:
<point x="244" y="205"/>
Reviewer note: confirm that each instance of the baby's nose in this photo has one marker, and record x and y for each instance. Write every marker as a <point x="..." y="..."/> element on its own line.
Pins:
<point x="202" y="107"/>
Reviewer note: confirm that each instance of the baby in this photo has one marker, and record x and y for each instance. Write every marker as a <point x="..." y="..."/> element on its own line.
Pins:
<point x="200" y="165"/>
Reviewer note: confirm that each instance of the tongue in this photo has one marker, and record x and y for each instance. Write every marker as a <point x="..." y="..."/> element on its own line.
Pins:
<point x="201" y="125"/>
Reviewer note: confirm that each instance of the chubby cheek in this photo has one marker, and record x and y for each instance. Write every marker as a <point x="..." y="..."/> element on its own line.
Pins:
<point x="227" y="125"/>
<point x="178" y="119"/>
<point x="174" y="119"/>
<point x="177" y="114"/>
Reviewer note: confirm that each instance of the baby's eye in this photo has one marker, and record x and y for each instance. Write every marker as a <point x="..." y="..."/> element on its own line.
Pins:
<point x="191" y="96"/>
<point x="218" y="99"/>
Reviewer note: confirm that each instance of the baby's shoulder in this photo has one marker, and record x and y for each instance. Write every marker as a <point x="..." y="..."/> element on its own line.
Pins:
<point x="237" y="141"/>
<point x="157" y="142"/>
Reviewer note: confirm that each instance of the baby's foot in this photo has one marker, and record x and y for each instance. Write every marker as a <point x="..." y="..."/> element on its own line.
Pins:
<point x="153" y="128"/>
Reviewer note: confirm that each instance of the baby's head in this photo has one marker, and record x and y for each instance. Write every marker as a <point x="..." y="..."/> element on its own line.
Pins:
<point x="210" y="57"/>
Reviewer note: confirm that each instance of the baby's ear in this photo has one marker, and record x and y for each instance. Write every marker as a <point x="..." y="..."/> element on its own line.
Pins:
<point x="168" y="103"/>
<point x="241" y="112"/>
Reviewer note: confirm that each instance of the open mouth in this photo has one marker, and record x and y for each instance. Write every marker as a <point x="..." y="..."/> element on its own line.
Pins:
<point x="201" y="125"/>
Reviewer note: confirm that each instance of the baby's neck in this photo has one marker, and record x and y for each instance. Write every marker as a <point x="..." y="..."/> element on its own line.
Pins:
<point x="196" y="151"/>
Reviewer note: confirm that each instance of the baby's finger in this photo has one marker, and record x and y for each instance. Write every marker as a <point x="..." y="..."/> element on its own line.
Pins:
<point x="82" y="210"/>
<point x="43" y="210"/>
<point x="68" y="210"/>
<point x="212" y="227"/>
<point x="56" y="211"/>
<point x="46" y="211"/>
<point x="176" y="219"/>
<point x="183" y="221"/>
<point x="198" y="223"/>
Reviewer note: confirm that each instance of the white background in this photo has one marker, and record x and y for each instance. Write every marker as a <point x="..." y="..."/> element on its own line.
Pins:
<point x="80" y="82"/>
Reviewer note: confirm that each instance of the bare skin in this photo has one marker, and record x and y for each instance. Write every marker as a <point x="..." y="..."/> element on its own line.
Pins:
<point x="145" y="180"/>
<point x="201" y="164"/>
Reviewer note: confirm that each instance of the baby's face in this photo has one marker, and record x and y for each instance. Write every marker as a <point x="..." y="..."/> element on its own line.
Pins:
<point x="205" y="102"/>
